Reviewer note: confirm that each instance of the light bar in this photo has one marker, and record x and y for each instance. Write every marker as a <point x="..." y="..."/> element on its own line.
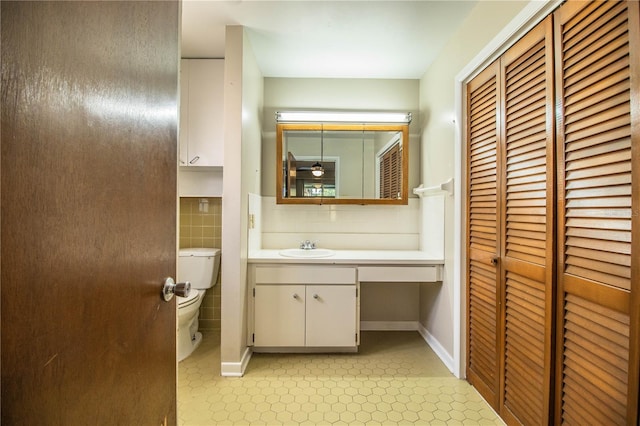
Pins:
<point x="342" y="117"/>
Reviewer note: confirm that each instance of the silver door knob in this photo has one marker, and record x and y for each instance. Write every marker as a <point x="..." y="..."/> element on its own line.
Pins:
<point x="170" y="288"/>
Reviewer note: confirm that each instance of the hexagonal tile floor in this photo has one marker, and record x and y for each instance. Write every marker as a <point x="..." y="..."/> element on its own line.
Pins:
<point x="395" y="378"/>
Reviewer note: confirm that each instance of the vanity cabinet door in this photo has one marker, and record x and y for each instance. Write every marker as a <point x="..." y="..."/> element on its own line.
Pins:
<point x="331" y="315"/>
<point x="280" y="315"/>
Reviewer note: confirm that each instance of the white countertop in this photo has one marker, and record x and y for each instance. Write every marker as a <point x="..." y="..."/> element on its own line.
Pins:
<point x="381" y="257"/>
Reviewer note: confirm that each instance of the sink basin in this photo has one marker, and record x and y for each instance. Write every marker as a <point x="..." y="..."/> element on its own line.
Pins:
<point x="307" y="254"/>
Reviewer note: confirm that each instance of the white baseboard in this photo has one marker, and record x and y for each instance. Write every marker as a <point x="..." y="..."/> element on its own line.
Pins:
<point x="389" y="325"/>
<point x="435" y="345"/>
<point x="236" y="369"/>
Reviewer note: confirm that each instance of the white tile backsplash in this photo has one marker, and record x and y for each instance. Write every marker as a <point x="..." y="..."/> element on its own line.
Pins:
<point x="343" y="241"/>
<point x="346" y="227"/>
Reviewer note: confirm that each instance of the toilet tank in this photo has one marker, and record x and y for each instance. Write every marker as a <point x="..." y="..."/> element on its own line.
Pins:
<point x="199" y="266"/>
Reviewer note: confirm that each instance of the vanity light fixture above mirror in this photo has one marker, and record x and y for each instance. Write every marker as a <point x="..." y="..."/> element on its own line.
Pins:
<point x="342" y="117"/>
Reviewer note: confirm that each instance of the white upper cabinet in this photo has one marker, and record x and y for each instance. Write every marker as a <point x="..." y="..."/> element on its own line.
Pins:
<point x="201" y="112"/>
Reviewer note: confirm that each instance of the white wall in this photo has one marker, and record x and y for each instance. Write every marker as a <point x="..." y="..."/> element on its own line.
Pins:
<point x="437" y="103"/>
<point x="337" y="94"/>
<point x="196" y="182"/>
<point x="242" y="151"/>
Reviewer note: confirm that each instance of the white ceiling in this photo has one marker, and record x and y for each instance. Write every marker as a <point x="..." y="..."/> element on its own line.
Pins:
<point x="340" y="39"/>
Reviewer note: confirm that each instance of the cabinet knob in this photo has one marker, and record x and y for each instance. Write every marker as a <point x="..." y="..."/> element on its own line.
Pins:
<point x="194" y="160"/>
<point x="295" y="296"/>
<point x="494" y="260"/>
<point x="315" y="296"/>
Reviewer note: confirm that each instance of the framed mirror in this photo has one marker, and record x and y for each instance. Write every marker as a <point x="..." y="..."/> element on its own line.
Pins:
<point x="319" y="163"/>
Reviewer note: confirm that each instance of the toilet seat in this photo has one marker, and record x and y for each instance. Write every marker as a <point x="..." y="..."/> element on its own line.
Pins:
<point x="183" y="302"/>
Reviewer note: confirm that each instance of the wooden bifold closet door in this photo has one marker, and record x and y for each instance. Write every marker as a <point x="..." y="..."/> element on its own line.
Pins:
<point x="553" y="221"/>
<point x="597" y="75"/>
<point x="510" y="228"/>
<point x="483" y="233"/>
<point x="526" y="255"/>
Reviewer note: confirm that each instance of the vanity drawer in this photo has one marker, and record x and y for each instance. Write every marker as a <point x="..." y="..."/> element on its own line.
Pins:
<point x="423" y="274"/>
<point x="305" y="275"/>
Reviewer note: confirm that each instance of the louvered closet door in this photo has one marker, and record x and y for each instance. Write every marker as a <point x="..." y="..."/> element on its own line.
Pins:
<point x="527" y="255"/>
<point x="597" y="70"/>
<point x="482" y="233"/>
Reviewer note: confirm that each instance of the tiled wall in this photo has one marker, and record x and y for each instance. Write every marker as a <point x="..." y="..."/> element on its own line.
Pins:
<point x="350" y="227"/>
<point x="203" y="229"/>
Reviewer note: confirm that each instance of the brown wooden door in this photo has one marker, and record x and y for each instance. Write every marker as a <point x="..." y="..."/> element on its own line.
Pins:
<point x="597" y="50"/>
<point x="88" y="196"/>
<point x="483" y="238"/>
<point x="526" y="273"/>
<point x="510" y="228"/>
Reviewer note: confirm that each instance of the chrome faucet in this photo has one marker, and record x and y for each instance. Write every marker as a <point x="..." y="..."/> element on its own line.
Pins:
<point x="307" y="245"/>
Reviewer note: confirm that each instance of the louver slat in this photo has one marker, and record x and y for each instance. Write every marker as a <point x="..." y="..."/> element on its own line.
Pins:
<point x="525" y="348"/>
<point x="530" y="196"/>
<point x="527" y="231"/>
<point x="597" y="363"/>
<point x="606" y="157"/>
<point x="482" y="230"/>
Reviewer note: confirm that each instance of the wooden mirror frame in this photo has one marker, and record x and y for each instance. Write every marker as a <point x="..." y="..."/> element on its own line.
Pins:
<point x="404" y="190"/>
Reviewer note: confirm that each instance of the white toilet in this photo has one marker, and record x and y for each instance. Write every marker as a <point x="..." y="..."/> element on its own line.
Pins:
<point x="200" y="267"/>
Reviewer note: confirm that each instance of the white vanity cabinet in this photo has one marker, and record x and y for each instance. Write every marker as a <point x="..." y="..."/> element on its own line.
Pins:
<point x="201" y="112"/>
<point x="305" y="306"/>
